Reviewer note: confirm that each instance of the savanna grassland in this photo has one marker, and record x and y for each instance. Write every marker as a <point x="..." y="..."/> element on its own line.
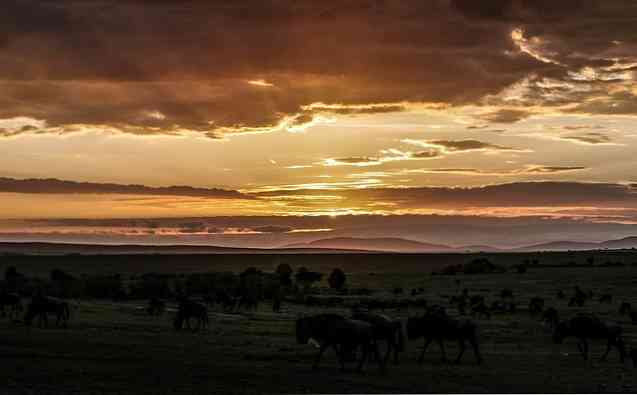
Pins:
<point x="115" y="347"/>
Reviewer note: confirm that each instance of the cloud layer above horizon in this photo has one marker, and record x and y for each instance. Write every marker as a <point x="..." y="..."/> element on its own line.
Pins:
<point x="458" y="107"/>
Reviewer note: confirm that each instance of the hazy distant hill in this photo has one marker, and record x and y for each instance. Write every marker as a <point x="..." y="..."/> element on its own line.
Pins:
<point x="330" y="245"/>
<point x="93" y="249"/>
<point x="374" y="244"/>
<point x="625" y="243"/>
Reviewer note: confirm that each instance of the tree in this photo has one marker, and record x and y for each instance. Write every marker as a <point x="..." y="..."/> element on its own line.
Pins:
<point x="337" y="279"/>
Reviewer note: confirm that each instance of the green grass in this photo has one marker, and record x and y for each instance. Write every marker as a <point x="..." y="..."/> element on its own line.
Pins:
<point x="114" y="348"/>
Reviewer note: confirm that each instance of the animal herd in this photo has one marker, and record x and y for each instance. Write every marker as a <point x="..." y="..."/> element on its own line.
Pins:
<point x="360" y="336"/>
<point x="366" y="330"/>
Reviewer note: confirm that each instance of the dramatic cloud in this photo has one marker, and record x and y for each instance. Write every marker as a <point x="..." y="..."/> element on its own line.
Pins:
<point x="459" y="145"/>
<point x="519" y="194"/>
<point x="589" y="138"/>
<point x="139" y="68"/>
<point x="54" y="186"/>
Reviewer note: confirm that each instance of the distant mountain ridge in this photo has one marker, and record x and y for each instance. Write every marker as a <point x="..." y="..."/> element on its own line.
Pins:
<point x="390" y="244"/>
<point x="405" y="245"/>
<point x="325" y="246"/>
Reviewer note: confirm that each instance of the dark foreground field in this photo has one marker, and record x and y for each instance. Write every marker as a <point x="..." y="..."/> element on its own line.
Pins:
<point x="116" y="348"/>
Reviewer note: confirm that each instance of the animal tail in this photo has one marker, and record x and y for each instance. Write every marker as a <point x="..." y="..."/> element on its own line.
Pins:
<point x="401" y="337"/>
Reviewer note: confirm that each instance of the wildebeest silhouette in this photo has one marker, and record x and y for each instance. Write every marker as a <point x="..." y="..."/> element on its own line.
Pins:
<point x="585" y="327"/>
<point x="625" y="308"/>
<point x="560" y="294"/>
<point x="550" y="317"/>
<point x="536" y="305"/>
<point x="156" y="307"/>
<point x="606" y="298"/>
<point x="506" y="293"/>
<point x="480" y="310"/>
<point x="576" y="301"/>
<point x="633" y="356"/>
<point x="385" y="329"/>
<point x="189" y="309"/>
<point x="40" y="306"/>
<point x="437" y="325"/>
<point x="12" y="302"/>
<point x="342" y="334"/>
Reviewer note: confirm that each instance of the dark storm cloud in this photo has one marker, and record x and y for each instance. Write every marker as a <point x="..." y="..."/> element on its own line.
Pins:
<point x="157" y="67"/>
<point x="220" y="67"/>
<point x="55" y="186"/>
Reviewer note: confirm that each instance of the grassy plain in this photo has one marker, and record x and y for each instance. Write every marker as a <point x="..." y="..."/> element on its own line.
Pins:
<point x="116" y="348"/>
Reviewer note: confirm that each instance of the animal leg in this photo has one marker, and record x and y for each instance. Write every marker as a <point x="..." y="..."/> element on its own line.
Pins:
<point x="441" y="343"/>
<point x="319" y="355"/>
<point x="382" y="363"/>
<point x="364" y="357"/>
<point x="341" y="357"/>
<point x="422" y="354"/>
<point x="608" y="347"/>
<point x="462" y="349"/>
<point x="476" y="349"/>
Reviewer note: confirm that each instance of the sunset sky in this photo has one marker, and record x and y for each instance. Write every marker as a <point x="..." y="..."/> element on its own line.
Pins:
<point x="458" y="121"/>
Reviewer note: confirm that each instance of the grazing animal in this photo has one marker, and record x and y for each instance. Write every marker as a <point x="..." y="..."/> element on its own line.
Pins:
<point x="481" y="310"/>
<point x="633" y="357"/>
<point x="576" y="301"/>
<point x="536" y="305"/>
<point x="226" y="300"/>
<point x="506" y="294"/>
<point x="561" y="294"/>
<point x="606" y="298"/>
<point x="633" y="317"/>
<point x="585" y="327"/>
<point x="385" y="329"/>
<point x="625" y="308"/>
<point x="156" y="307"/>
<point x="12" y="302"/>
<point x="436" y="325"/>
<point x="40" y="306"/>
<point x="340" y="333"/>
<point x="550" y="317"/>
<point x="189" y="309"/>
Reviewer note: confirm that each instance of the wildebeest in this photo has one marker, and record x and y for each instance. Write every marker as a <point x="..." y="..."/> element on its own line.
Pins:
<point x="633" y="356"/>
<point x="385" y="329"/>
<point x="506" y="293"/>
<point x="437" y="325"/>
<point x="585" y="327"/>
<point x="576" y="301"/>
<point x="156" y="307"/>
<point x="625" y="308"/>
<point x="550" y="317"/>
<point x="340" y="333"/>
<point x="560" y="294"/>
<point x="606" y="298"/>
<point x="481" y="310"/>
<point x="40" y="306"/>
<point x="189" y="309"/>
<point x="12" y="302"/>
<point x="536" y="305"/>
